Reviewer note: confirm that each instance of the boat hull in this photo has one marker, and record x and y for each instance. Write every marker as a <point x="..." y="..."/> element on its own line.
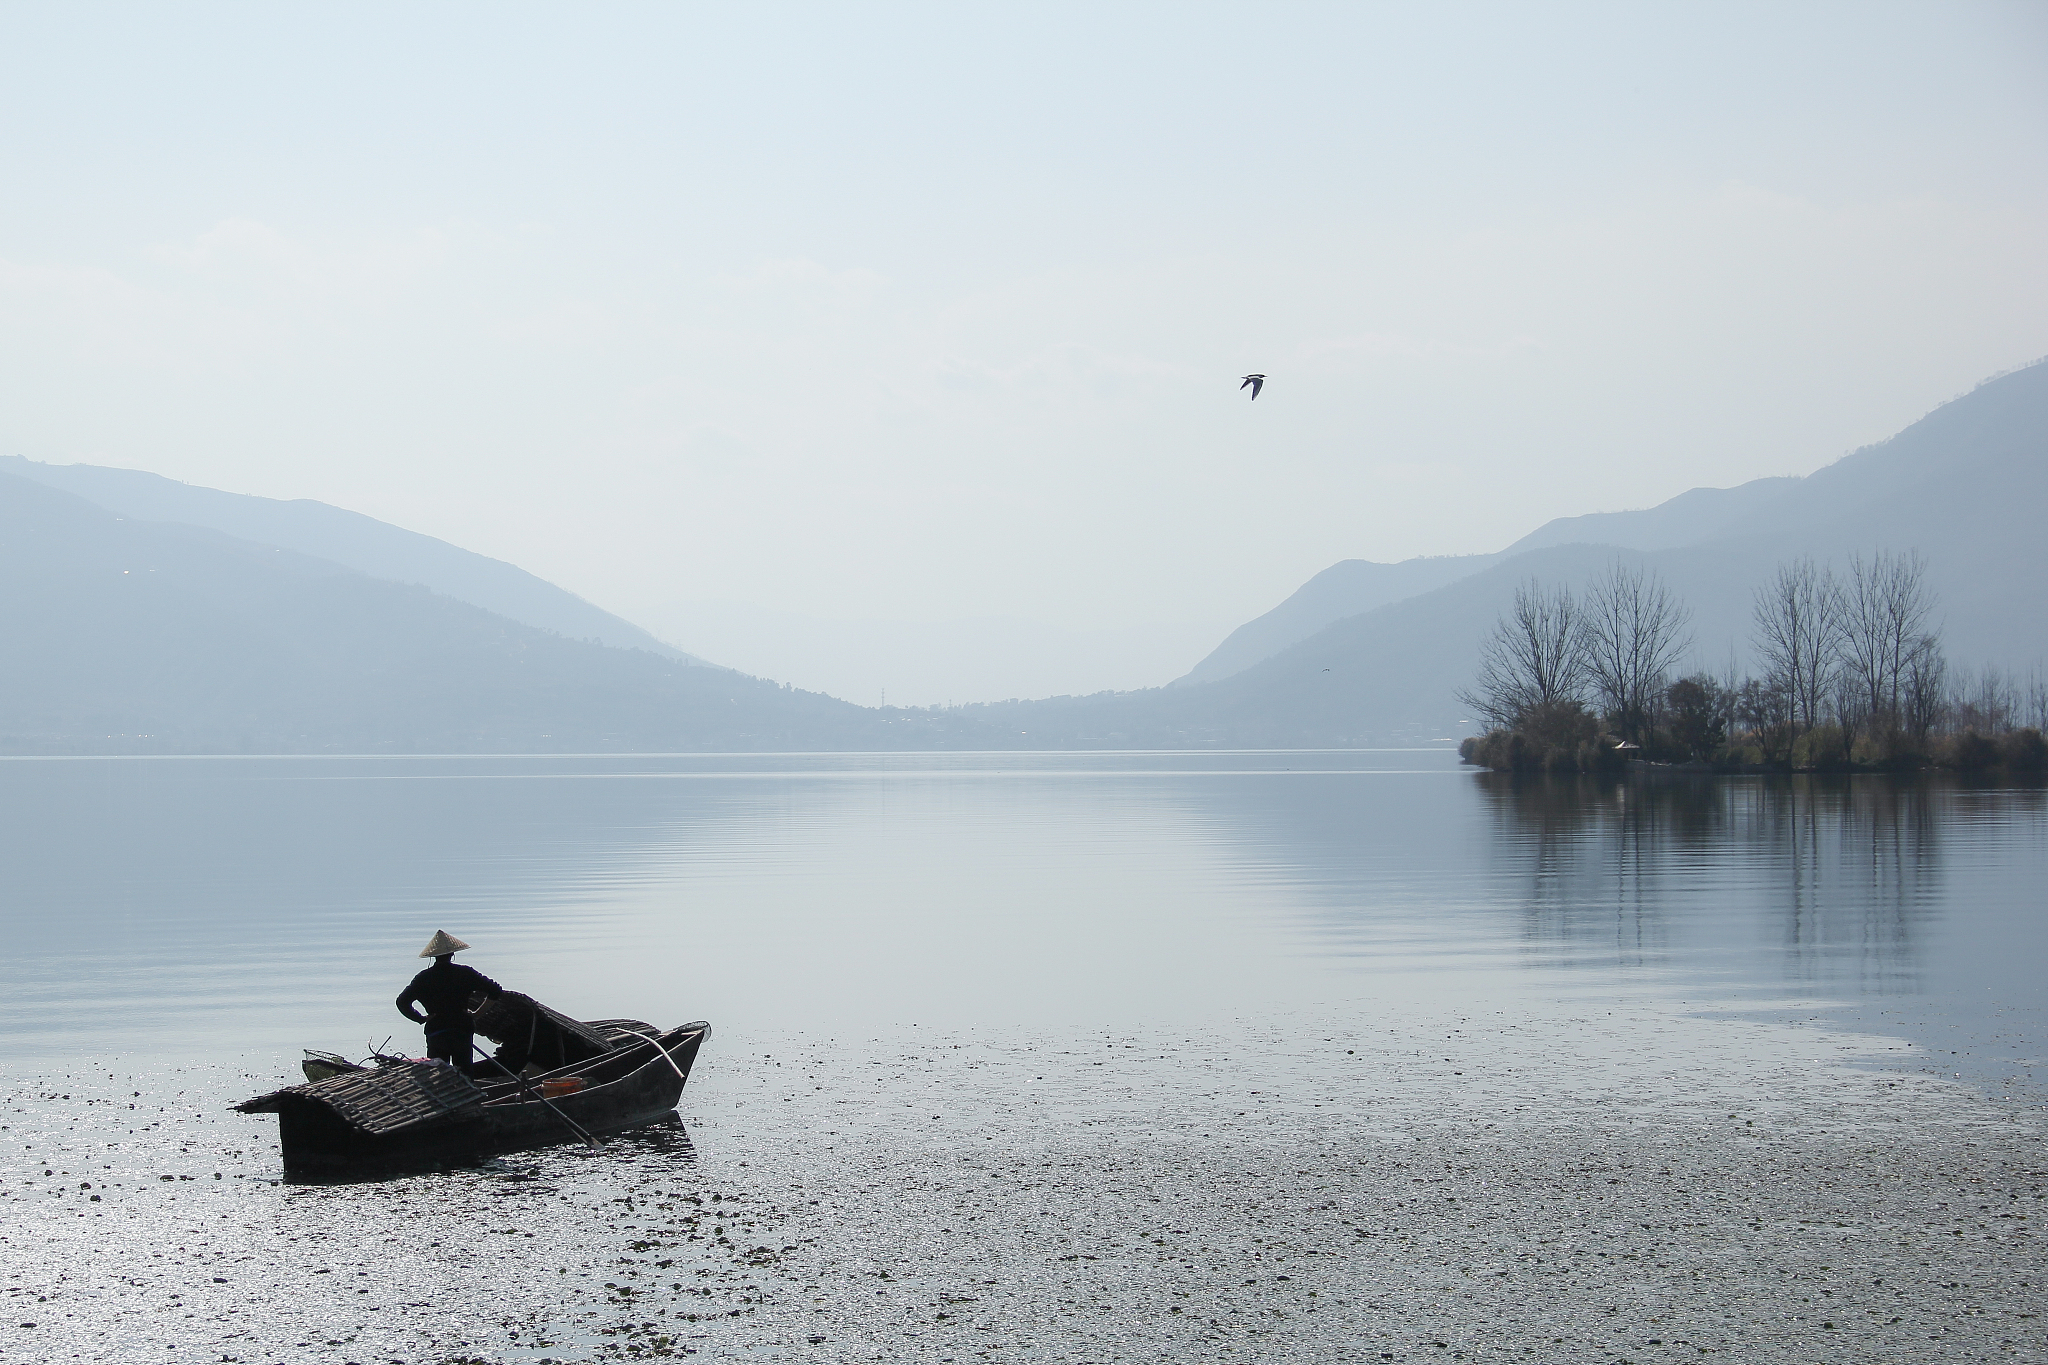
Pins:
<point x="318" y="1144"/>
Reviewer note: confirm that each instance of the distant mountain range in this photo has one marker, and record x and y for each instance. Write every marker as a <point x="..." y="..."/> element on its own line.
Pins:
<point x="1374" y="653"/>
<point x="130" y="636"/>
<point x="350" y="539"/>
<point x="1923" y="488"/>
<point x="1345" y="589"/>
<point x="138" y="614"/>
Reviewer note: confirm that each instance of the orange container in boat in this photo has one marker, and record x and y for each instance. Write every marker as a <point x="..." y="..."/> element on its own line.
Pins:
<point x="565" y="1085"/>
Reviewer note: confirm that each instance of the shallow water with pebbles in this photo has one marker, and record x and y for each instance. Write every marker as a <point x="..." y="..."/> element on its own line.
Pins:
<point x="1611" y="1182"/>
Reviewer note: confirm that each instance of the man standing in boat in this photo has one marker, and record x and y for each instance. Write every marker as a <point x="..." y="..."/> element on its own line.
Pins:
<point x="445" y="990"/>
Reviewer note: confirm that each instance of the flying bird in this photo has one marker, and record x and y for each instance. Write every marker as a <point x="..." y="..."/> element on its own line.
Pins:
<point x="1255" y="382"/>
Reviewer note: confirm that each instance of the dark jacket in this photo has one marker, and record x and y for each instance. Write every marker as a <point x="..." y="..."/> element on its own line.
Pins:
<point x="444" y="990"/>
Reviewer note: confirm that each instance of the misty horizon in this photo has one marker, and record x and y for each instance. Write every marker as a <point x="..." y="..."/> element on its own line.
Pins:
<point x="976" y="660"/>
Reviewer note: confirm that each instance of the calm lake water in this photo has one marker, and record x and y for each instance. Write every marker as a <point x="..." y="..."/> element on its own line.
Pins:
<point x="245" y="907"/>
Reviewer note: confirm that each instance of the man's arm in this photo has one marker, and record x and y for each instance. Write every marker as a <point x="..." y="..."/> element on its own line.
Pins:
<point x="405" y="1003"/>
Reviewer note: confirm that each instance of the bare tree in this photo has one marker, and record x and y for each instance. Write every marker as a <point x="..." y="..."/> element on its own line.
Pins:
<point x="1634" y="632"/>
<point x="1989" y="702"/>
<point x="1849" y="709"/>
<point x="1764" y="707"/>
<point x="2002" y="697"/>
<point x="1886" y="603"/>
<point x="1530" y="659"/>
<point x="1922" y="695"/>
<point x="1797" y="632"/>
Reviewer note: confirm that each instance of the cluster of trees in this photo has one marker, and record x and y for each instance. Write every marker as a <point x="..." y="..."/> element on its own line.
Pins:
<point x="1556" y="653"/>
<point x="1851" y="672"/>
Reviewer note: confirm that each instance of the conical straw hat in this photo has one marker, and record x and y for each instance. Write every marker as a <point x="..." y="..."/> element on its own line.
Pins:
<point x="442" y="944"/>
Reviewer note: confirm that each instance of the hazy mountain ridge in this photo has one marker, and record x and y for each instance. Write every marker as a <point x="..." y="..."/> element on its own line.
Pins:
<point x="120" y="635"/>
<point x="1694" y="515"/>
<point x="352" y="540"/>
<point x="1946" y="480"/>
<point x="132" y="635"/>
<point x="1346" y="588"/>
<point x="1965" y="486"/>
<point x="1998" y="422"/>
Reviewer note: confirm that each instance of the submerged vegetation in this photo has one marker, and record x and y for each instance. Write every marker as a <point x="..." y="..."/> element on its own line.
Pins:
<point x="1852" y="677"/>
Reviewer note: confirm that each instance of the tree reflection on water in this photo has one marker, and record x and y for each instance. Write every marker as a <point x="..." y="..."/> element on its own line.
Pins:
<point x="1842" y="875"/>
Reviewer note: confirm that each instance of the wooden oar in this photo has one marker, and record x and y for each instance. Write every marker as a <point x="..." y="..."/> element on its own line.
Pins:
<point x="520" y="1081"/>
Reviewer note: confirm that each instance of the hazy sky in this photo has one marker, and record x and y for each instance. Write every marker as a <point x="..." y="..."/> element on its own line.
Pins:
<point x="918" y="313"/>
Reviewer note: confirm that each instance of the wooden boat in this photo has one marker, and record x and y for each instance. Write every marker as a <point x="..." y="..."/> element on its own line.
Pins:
<point x="400" y="1114"/>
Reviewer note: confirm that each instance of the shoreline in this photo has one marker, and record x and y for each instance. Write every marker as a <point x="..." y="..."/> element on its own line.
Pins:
<point x="1995" y="777"/>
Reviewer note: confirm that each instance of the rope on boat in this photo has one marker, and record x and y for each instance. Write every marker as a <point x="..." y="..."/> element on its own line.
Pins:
<point x="656" y="1042"/>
